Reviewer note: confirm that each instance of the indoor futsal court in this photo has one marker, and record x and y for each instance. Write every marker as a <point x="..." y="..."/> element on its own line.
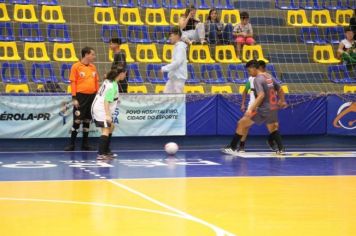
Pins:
<point x="200" y="191"/>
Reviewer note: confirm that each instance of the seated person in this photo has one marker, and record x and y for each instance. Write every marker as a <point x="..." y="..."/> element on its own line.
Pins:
<point x="193" y="30"/>
<point x="353" y="24"/>
<point x="243" y="32"/>
<point x="347" y="48"/>
<point x="213" y="21"/>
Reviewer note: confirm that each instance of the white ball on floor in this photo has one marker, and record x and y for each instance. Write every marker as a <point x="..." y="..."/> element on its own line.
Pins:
<point x="171" y="148"/>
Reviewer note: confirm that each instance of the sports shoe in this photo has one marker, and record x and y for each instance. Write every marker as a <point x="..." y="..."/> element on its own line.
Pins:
<point x="241" y="150"/>
<point x="280" y="152"/>
<point x="272" y="145"/>
<point x="111" y="154"/>
<point x="69" y="148"/>
<point x="103" y="157"/>
<point x="228" y="150"/>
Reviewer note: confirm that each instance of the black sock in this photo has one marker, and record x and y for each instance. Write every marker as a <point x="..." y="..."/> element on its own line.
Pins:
<point x="278" y="139"/>
<point x="271" y="140"/>
<point x="73" y="137"/>
<point x="109" y="142"/>
<point x="235" y="141"/>
<point x="103" y="144"/>
<point x="242" y="145"/>
<point x="85" y="139"/>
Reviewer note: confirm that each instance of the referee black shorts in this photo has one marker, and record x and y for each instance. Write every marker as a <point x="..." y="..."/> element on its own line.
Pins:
<point x="84" y="110"/>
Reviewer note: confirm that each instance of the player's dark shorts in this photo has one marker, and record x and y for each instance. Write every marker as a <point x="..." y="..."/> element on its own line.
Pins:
<point x="84" y="110"/>
<point x="102" y="124"/>
<point x="265" y="117"/>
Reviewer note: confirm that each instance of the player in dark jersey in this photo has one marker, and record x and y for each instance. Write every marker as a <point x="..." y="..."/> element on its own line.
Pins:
<point x="263" y="110"/>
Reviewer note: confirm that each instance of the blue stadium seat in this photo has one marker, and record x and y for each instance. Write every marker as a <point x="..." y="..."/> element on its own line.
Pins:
<point x="124" y="3"/>
<point x="148" y="4"/>
<point x="30" y="32"/>
<point x="138" y="34"/>
<point x="289" y="58"/>
<point x="252" y="4"/>
<point x="351" y="4"/>
<point x="272" y="70"/>
<point x="310" y="5"/>
<point x="222" y="4"/>
<point x="334" y="5"/>
<point x="234" y="73"/>
<point x="334" y="35"/>
<point x="6" y="32"/>
<point x="178" y="4"/>
<point x="58" y="33"/>
<point x="311" y="35"/>
<point x="65" y="72"/>
<point x="111" y="31"/>
<point x="98" y="3"/>
<point x="339" y="74"/>
<point x="25" y="2"/>
<point x="48" y="2"/>
<point x="191" y="75"/>
<point x="209" y="70"/>
<point x="276" y="38"/>
<point x="300" y="77"/>
<point x="136" y="78"/>
<point x="267" y="21"/>
<point x="153" y="74"/>
<point x="13" y="73"/>
<point x="202" y="5"/>
<point x="39" y="74"/>
<point x="286" y="5"/>
<point x="161" y="34"/>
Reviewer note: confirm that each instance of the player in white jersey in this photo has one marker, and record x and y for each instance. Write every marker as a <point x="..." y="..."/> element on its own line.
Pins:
<point x="103" y="107"/>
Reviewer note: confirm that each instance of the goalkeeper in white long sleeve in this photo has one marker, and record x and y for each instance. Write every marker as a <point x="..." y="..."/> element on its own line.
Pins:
<point x="177" y="69"/>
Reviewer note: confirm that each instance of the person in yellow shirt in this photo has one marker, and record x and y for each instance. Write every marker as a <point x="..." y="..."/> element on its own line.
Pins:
<point x="84" y="80"/>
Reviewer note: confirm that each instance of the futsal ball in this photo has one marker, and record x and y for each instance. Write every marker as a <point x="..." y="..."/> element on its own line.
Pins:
<point x="171" y="148"/>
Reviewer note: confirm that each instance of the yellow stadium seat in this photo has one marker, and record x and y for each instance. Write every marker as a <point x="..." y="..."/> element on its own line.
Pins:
<point x="64" y="52"/>
<point x="130" y="16"/>
<point x="149" y="52"/>
<point x="52" y="14"/>
<point x="285" y="88"/>
<point x="175" y="15"/>
<point x="343" y="17"/>
<point x="322" y="18"/>
<point x="4" y="16"/>
<point x="167" y="52"/>
<point x="241" y="89"/>
<point x="17" y="88"/>
<point x="248" y="53"/>
<point x="137" y="89"/>
<point x="202" y="14"/>
<point x="125" y="48"/>
<point x="197" y="52"/>
<point x="298" y="18"/>
<point x="159" y="88"/>
<point x="221" y="89"/>
<point x="222" y="52"/>
<point x="9" y="52"/>
<point x="194" y="89"/>
<point x="69" y="89"/>
<point x="230" y="16"/>
<point x="155" y="17"/>
<point x="350" y="89"/>
<point x="35" y="52"/>
<point x="25" y="13"/>
<point x="104" y="16"/>
<point x="324" y="54"/>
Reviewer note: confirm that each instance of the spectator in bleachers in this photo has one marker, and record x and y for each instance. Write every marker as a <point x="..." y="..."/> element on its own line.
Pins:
<point x="243" y="32"/>
<point x="353" y="24"/>
<point x="193" y="29"/>
<point x="119" y="61"/>
<point x="347" y="48"/>
<point x="213" y="24"/>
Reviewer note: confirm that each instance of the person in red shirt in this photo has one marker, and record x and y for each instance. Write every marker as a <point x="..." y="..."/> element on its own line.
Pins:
<point x="84" y="84"/>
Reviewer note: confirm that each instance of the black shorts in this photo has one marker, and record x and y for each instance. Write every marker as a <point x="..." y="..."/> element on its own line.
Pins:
<point x="84" y="110"/>
<point x="102" y="124"/>
<point x="265" y="117"/>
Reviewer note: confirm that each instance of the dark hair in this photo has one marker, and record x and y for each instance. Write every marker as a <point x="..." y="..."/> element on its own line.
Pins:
<point x="112" y="75"/>
<point x="262" y="64"/>
<point x="244" y="15"/>
<point x="209" y="17"/>
<point x="347" y="28"/>
<point x="120" y="70"/>
<point x="189" y="9"/>
<point x="86" y="50"/>
<point x="252" y="63"/>
<point x="115" y="40"/>
<point x="176" y="30"/>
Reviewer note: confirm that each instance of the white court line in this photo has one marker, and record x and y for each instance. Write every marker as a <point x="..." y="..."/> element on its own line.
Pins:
<point x="218" y="231"/>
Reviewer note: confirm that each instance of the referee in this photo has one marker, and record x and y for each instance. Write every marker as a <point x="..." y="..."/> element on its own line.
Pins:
<point x="84" y="84"/>
<point x="119" y="62"/>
